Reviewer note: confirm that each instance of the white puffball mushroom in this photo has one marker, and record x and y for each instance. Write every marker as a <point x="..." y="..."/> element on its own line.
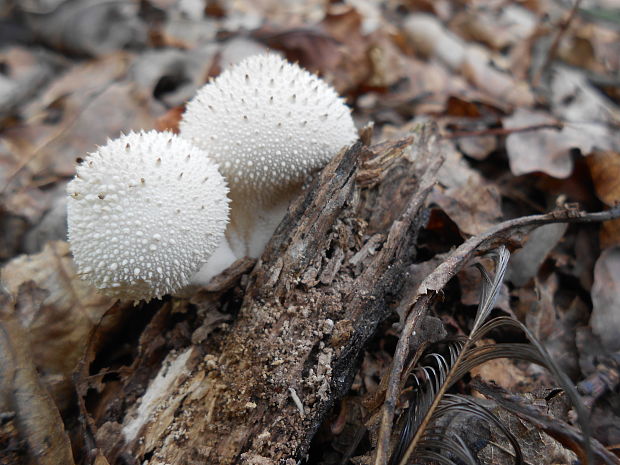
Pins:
<point x="145" y="211"/>
<point x="268" y="124"/>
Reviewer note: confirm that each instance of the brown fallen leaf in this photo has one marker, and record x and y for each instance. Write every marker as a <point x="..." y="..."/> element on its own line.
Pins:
<point x="610" y="234"/>
<point x="37" y="418"/>
<point x="170" y="120"/>
<point x="605" y="171"/>
<point x="591" y="46"/>
<point x="504" y="372"/>
<point x="344" y="24"/>
<point x="470" y="201"/>
<point x="24" y="73"/>
<point x="311" y="47"/>
<point x="57" y="308"/>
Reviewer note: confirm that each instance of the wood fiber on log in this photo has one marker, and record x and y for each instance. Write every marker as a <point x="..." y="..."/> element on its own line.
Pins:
<point x="253" y="387"/>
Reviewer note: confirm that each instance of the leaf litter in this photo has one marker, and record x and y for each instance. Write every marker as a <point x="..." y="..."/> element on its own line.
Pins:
<point x="525" y="95"/>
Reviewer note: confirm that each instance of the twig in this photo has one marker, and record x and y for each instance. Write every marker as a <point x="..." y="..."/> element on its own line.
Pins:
<point x="435" y="282"/>
<point x="38" y="419"/>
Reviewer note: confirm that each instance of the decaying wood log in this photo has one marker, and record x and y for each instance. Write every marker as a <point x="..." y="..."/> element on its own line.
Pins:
<point x="254" y="387"/>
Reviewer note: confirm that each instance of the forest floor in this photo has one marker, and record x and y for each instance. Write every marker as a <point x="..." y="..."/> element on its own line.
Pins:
<point x="521" y="99"/>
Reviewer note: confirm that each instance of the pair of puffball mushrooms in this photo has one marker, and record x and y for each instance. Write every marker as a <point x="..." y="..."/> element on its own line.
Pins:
<point x="150" y="213"/>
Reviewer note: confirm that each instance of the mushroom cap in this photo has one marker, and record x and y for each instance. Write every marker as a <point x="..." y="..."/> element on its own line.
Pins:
<point x="268" y="124"/>
<point x="145" y="211"/>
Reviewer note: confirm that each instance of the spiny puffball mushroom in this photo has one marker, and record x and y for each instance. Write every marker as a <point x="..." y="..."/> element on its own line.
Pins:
<point x="268" y="124"/>
<point x="145" y="211"/>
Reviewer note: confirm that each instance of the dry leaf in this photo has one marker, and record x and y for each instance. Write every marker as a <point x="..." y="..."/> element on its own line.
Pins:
<point x="92" y="27"/>
<point x="497" y="27"/>
<point x="605" y="320"/>
<point x="23" y="73"/>
<point x="473" y="62"/>
<point x="546" y="150"/>
<point x="525" y="262"/>
<point x="83" y="108"/>
<point x="471" y="202"/>
<point x="504" y="373"/>
<point x="38" y="419"/>
<point x="58" y="309"/>
<point x="605" y="170"/>
<point x="610" y="233"/>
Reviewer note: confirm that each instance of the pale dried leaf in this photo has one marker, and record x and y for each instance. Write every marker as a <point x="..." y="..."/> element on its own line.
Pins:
<point x="605" y="319"/>
<point x="546" y="150"/>
<point x="60" y="317"/>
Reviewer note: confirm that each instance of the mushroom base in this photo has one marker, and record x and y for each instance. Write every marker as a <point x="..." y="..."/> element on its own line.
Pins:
<point x="253" y="222"/>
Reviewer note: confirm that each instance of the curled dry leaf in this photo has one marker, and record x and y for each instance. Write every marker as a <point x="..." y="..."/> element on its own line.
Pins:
<point x="479" y="147"/>
<point x="431" y="39"/>
<point x="37" y="418"/>
<point x="57" y="308"/>
<point x="479" y="68"/>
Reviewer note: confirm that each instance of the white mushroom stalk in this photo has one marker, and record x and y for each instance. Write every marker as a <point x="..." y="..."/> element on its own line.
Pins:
<point x="145" y="212"/>
<point x="268" y="124"/>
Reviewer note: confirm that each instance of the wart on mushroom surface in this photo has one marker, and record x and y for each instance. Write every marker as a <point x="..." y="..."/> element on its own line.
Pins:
<point x="268" y="124"/>
<point x="145" y="211"/>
